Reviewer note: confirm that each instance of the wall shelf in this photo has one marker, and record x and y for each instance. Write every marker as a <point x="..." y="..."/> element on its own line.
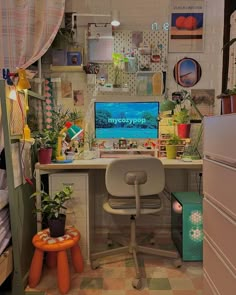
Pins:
<point x="66" y="68"/>
<point x="112" y="89"/>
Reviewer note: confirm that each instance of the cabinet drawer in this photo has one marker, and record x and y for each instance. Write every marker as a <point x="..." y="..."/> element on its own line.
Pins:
<point x="207" y="287"/>
<point x="222" y="277"/>
<point x="6" y="264"/>
<point x="222" y="230"/>
<point x="218" y="134"/>
<point x="219" y="186"/>
<point x="77" y="181"/>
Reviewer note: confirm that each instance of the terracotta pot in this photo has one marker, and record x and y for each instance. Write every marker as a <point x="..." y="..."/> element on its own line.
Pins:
<point x="57" y="226"/>
<point x="45" y="155"/>
<point x="233" y="103"/>
<point x="184" y="130"/>
<point x="226" y="104"/>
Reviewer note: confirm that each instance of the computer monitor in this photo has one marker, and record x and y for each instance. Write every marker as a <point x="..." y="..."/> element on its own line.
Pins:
<point x="129" y="120"/>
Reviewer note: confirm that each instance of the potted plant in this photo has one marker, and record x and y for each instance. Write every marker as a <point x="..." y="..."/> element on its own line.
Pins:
<point x="182" y="119"/>
<point x="118" y="61"/>
<point x="225" y="102"/>
<point x="48" y="138"/>
<point x="171" y="146"/>
<point x="53" y="209"/>
<point x="44" y="148"/>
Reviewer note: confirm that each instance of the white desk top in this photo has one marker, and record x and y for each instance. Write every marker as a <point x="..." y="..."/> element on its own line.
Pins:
<point x="101" y="163"/>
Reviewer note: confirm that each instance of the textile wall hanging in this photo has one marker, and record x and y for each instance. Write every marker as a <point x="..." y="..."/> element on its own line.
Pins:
<point x="27" y="29"/>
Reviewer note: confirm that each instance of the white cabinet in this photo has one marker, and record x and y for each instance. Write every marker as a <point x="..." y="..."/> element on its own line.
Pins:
<point x="80" y="207"/>
<point x="219" y="205"/>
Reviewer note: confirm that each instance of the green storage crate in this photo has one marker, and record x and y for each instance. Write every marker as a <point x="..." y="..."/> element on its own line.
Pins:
<point x="187" y="224"/>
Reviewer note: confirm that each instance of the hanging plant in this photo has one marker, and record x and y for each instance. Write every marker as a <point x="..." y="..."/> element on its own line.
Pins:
<point x="118" y="61"/>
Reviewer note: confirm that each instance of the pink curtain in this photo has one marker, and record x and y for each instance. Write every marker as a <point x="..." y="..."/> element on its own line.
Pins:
<point x="27" y="29"/>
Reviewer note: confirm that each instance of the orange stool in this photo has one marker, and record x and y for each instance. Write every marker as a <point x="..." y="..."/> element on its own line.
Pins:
<point x="56" y="248"/>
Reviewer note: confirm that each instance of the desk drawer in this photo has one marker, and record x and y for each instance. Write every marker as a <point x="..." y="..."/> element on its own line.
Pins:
<point x="219" y="186"/>
<point x="6" y="264"/>
<point x="77" y="181"/>
<point x="222" y="277"/>
<point x="222" y="230"/>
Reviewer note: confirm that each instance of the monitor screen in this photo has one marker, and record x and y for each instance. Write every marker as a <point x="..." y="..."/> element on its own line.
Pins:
<point x="129" y="120"/>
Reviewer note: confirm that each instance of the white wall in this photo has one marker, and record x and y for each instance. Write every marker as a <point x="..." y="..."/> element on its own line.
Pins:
<point x="138" y="15"/>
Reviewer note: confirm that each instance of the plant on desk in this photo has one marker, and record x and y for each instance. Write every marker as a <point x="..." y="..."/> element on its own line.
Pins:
<point x="182" y="119"/>
<point x="171" y="147"/>
<point x="48" y="138"/>
<point x="53" y="209"/>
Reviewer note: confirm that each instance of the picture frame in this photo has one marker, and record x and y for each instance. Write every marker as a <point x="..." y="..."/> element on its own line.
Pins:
<point x="187" y="72"/>
<point x="149" y="83"/>
<point x="187" y="26"/>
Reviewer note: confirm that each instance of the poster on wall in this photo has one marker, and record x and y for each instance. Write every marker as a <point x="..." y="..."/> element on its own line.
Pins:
<point x="186" y="26"/>
<point x="204" y="100"/>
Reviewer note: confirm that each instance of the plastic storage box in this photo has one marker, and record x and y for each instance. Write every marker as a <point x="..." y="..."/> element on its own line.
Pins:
<point x="187" y="224"/>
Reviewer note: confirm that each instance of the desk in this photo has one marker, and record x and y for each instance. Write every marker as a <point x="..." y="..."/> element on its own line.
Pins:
<point x="96" y="165"/>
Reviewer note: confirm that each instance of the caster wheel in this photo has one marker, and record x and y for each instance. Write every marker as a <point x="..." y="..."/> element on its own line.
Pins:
<point x="95" y="264"/>
<point x="177" y="262"/>
<point x="152" y="241"/>
<point x="137" y="284"/>
<point x="109" y="243"/>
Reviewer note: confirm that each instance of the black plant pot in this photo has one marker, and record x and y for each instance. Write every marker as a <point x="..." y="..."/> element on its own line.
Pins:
<point x="57" y="226"/>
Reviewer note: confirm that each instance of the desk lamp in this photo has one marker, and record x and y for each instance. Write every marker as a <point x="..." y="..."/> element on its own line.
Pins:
<point x="72" y="131"/>
<point x="168" y="105"/>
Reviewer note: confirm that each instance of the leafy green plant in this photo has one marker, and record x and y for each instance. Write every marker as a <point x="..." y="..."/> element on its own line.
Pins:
<point x="233" y="90"/>
<point x="118" y="61"/>
<point x="49" y="137"/>
<point x="228" y="44"/>
<point x="174" y="140"/>
<point x="182" y="116"/>
<point x="52" y="207"/>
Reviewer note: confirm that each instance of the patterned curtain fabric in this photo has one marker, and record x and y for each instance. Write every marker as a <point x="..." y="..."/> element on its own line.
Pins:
<point x="27" y="29"/>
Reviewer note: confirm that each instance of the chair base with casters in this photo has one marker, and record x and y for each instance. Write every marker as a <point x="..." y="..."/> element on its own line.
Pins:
<point x="133" y="186"/>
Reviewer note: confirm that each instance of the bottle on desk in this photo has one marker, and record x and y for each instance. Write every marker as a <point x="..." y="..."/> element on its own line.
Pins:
<point x="27" y="132"/>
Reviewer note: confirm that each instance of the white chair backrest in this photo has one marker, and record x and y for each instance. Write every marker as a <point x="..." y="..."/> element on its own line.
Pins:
<point x="148" y="169"/>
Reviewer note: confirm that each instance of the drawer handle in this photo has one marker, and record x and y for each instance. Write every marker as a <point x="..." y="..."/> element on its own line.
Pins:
<point x="68" y="184"/>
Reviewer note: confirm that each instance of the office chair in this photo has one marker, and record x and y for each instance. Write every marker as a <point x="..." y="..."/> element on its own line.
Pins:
<point x="133" y="185"/>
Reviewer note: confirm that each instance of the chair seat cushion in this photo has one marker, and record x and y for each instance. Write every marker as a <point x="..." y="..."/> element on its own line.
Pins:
<point x="147" y="202"/>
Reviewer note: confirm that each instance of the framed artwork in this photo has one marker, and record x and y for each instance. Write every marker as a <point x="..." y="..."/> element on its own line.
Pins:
<point x="187" y="72"/>
<point x="186" y="26"/>
<point x="204" y="100"/>
<point x="149" y="83"/>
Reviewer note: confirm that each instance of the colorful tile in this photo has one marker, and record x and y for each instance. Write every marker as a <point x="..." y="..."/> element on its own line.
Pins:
<point x="181" y="284"/>
<point x="91" y="283"/>
<point x="158" y="284"/>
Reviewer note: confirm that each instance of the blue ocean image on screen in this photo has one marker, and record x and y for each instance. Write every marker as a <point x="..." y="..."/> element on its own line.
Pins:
<point x="126" y="120"/>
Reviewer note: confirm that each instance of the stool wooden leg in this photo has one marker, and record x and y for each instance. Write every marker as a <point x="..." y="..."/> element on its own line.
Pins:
<point x="51" y="259"/>
<point x="63" y="273"/>
<point x="77" y="258"/>
<point x="36" y="268"/>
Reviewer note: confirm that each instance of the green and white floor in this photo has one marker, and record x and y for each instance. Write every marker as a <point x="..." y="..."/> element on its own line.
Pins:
<point x="115" y="278"/>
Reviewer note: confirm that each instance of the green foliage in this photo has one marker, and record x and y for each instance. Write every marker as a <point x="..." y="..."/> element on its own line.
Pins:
<point x="52" y="207"/>
<point x="174" y="140"/>
<point x="182" y="116"/>
<point x="118" y="61"/>
<point x="228" y="44"/>
<point x="233" y="90"/>
<point x="48" y="137"/>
